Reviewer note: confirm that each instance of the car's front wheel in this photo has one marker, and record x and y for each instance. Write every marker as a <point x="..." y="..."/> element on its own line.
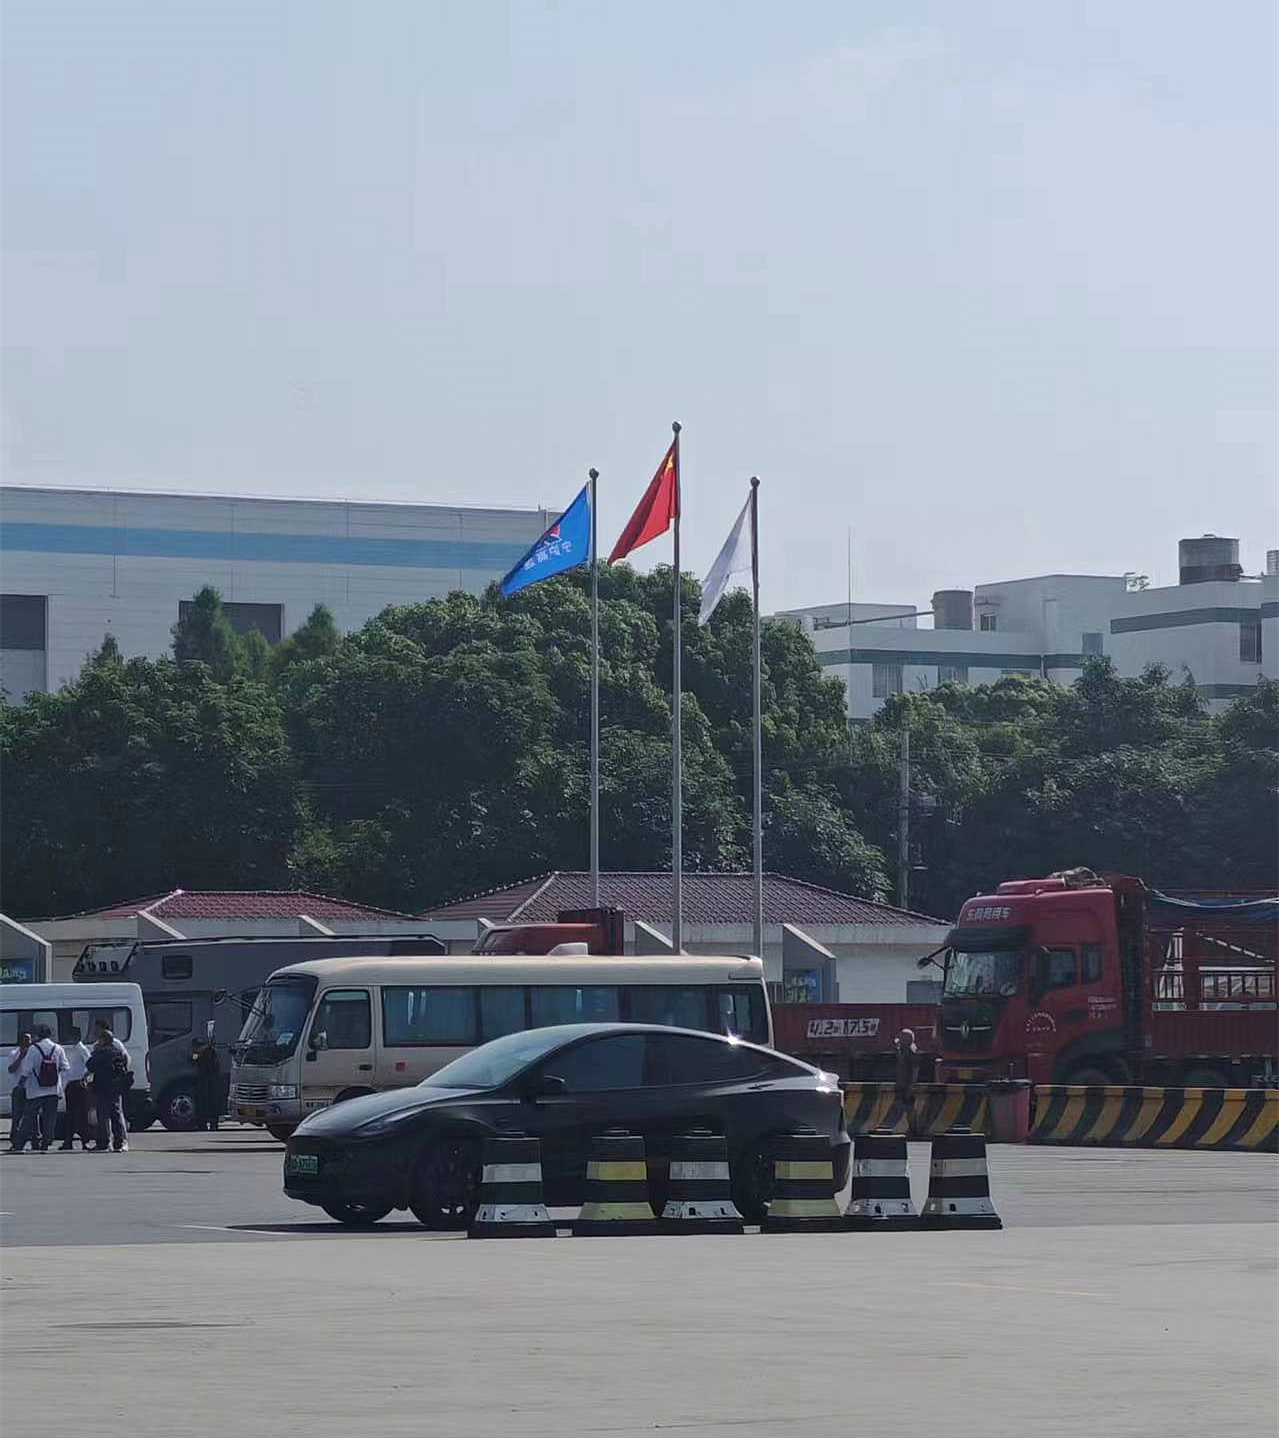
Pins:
<point x="753" y="1181"/>
<point x="446" y="1184"/>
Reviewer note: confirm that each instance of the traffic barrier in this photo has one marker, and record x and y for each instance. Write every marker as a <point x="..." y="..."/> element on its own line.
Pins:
<point x="1123" y="1115"/>
<point x="803" y="1185"/>
<point x="511" y="1202"/>
<point x="699" y="1197"/>
<point x="959" y="1183"/>
<point x="880" y="1196"/>
<point x="616" y="1196"/>
<point x="932" y="1108"/>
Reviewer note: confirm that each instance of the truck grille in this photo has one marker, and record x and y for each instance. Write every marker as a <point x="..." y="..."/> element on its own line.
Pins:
<point x="968" y="1028"/>
<point x="250" y="1092"/>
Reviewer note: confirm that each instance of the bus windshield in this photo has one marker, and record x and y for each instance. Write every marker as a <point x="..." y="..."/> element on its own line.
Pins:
<point x="988" y="975"/>
<point x="275" y="1021"/>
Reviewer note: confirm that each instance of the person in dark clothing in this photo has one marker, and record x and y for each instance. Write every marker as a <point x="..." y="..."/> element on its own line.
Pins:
<point x="108" y="1070"/>
<point x="208" y="1085"/>
<point x="75" y="1093"/>
<point x="906" y="1059"/>
<point x="18" y="1094"/>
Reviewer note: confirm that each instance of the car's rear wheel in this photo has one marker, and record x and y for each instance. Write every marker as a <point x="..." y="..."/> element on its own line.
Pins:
<point x="357" y="1215"/>
<point x="753" y="1181"/>
<point x="446" y="1185"/>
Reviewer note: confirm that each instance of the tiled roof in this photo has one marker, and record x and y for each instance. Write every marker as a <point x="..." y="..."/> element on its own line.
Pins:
<point x="708" y="899"/>
<point x="241" y="904"/>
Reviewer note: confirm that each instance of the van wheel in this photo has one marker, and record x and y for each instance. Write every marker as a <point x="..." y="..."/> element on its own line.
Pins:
<point x="177" y="1109"/>
<point x="446" y="1186"/>
<point x="357" y="1215"/>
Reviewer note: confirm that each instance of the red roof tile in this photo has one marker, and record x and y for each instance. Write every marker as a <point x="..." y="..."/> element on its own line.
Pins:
<point x="708" y="899"/>
<point x="243" y="904"/>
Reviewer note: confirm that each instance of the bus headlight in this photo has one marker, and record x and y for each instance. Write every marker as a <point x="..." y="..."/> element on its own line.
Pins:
<point x="283" y="1090"/>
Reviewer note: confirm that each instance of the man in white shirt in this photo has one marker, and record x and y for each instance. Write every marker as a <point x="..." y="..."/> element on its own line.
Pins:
<point x="43" y="1067"/>
<point x="74" y="1092"/>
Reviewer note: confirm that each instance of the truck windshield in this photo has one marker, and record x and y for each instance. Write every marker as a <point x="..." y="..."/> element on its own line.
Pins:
<point x="275" y="1021"/>
<point x="990" y="975"/>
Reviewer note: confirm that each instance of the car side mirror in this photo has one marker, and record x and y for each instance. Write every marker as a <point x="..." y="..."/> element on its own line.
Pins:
<point x="542" y="1086"/>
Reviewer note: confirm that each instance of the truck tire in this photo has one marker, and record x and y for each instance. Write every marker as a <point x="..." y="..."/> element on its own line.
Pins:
<point x="1203" y="1076"/>
<point x="352" y="1093"/>
<point x="177" y="1107"/>
<point x="279" y="1131"/>
<point x="1091" y="1075"/>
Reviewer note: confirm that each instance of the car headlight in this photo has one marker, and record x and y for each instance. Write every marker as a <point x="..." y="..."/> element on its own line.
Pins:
<point x="384" y="1123"/>
<point x="283" y="1090"/>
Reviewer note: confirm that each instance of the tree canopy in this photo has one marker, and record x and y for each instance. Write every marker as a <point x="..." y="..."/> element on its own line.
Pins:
<point x="442" y="749"/>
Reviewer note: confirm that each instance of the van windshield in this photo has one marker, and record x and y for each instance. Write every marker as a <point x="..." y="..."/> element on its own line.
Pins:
<point x="989" y="975"/>
<point x="276" y="1020"/>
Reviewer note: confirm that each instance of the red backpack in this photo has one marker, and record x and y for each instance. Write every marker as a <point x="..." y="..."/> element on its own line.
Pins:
<point x="47" y="1072"/>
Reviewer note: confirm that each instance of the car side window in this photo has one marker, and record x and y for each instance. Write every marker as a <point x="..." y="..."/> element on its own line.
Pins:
<point x="680" y="1058"/>
<point x="608" y="1063"/>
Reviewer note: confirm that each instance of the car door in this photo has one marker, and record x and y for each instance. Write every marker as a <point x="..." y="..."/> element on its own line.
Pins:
<point x="339" y="1052"/>
<point x="603" y="1088"/>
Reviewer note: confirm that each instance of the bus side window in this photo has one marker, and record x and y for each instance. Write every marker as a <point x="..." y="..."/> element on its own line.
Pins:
<point x="1090" y="963"/>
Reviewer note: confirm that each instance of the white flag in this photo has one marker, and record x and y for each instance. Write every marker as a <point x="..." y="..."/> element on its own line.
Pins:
<point x="733" y="560"/>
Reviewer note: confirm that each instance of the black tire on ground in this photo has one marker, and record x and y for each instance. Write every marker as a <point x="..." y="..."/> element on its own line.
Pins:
<point x="1091" y="1075"/>
<point x="139" y="1115"/>
<point x="446" y="1185"/>
<point x="279" y="1131"/>
<point x="752" y="1179"/>
<point x="352" y="1093"/>
<point x="177" y="1107"/>
<point x="357" y="1215"/>
<point x="1203" y="1076"/>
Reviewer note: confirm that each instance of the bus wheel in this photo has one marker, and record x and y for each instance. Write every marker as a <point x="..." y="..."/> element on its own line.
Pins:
<point x="446" y="1187"/>
<point x="177" y="1108"/>
<point x="357" y="1215"/>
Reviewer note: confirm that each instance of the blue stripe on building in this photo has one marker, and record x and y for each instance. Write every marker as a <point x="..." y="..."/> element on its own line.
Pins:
<point x="1183" y="618"/>
<point x="271" y="548"/>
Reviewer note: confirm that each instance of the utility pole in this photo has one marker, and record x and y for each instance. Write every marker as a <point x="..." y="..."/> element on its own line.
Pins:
<point x="903" y="822"/>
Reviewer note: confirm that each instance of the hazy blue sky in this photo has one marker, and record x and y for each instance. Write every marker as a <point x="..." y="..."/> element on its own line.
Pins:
<point x="992" y="283"/>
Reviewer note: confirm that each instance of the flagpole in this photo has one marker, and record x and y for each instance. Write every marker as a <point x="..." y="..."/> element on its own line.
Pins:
<point x="595" y="695"/>
<point x="677" y="754"/>
<point x="758" y="729"/>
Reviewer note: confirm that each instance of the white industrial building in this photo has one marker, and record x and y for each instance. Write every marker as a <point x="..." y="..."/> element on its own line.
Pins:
<point x="76" y="564"/>
<point x="1216" y="624"/>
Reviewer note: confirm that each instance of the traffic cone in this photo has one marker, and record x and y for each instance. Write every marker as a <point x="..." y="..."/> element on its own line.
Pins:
<point x="616" y="1199"/>
<point x="880" y="1196"/>
<point x="511" y="1202"/>
<point x="699" y="1198"/>
<point x="803" y="1186"/>
<point x="959" y="1183"/>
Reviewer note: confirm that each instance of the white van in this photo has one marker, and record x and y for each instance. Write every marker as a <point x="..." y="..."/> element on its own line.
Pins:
<point x="329" y="1029"/>
<point x="24" y="1007"/>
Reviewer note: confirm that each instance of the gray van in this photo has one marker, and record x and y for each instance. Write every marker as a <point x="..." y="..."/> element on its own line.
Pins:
<point x="189" y="983"/>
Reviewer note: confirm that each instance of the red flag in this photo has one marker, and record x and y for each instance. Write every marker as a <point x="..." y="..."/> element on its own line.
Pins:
<point x="657" y="511"/>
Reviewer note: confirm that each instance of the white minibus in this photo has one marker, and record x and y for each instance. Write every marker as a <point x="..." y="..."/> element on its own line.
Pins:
<point x="332" y="1028"/>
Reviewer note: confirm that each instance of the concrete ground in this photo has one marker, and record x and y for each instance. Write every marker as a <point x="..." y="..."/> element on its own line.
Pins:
<point x="174" y="1289"/>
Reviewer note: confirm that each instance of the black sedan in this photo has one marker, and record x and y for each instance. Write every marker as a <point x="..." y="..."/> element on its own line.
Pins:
<point x="419" y="1148"/>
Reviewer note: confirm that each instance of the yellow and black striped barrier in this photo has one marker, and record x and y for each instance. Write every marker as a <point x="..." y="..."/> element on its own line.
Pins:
<point x="1119" y="1116"/>
<point x="933" y="1108"/>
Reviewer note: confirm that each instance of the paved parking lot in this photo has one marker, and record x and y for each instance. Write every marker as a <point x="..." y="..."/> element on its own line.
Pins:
<point x="1130" y="1293"/>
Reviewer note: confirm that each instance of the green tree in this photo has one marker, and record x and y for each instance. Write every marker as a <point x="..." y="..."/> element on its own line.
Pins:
<point x="204" y="635"/>
<point x="316" y="639"/>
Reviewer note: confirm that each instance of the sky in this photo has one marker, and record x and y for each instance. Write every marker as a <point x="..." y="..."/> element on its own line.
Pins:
<point x="989" y="286"/>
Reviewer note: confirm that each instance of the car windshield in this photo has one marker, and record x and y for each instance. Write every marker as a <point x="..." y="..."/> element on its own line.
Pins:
<point x="275" y="1021"/>
<point x="990" y="975"/>
<point x="493" y="1063"/>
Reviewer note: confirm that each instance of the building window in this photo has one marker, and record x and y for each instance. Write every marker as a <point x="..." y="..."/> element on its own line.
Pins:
<point x="989" y="623"/>
<point x="1250" y="641"/>
<point x="952" y="674"/>
<point x="267" y="619"/>
<point x="886" y="679"/>
<point x="22" y="621"/>
<point x="1092" y="644"/>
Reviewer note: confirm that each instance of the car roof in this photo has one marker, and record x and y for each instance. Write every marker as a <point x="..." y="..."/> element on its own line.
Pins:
<point x="576" y="1031"/>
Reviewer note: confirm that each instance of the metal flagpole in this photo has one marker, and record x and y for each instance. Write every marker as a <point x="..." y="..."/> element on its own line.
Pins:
<point x="758" y="730"/>
<point x="595" y="695"/>
<point x="677" y="755"/>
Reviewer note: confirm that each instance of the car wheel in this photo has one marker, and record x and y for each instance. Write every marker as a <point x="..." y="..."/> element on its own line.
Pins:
<point x="753" y="1181"/>
<point x="177" y="1109"/>
<point x="357" y="1215"/>
<point x="279" y="1131"/>
<point x="446" y="1186"/>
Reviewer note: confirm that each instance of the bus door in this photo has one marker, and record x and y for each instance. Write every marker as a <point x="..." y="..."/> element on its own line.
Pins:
<point x="338" y="1054"/>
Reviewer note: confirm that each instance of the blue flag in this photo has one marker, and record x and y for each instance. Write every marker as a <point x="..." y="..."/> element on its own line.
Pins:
<point x="565" y="545"/>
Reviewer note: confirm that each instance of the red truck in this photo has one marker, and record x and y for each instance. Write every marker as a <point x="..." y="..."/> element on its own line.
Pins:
<point x="1078" y="978"/>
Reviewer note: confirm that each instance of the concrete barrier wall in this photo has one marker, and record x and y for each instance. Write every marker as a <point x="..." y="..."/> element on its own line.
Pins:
<point x="1119" y="1116"/>
<point x="933" y="1108"/>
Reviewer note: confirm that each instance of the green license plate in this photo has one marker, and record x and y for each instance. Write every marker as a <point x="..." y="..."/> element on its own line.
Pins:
<point x="302" y="1163"/>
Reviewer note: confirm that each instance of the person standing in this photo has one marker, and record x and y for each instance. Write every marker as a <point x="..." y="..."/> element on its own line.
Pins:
<point x="44" y="1065"/>
<point x="208" y="1085"/>
<point x="906" y="1066"/>
<point x="74" y="1091"/>
<point x="18" y="1093"/>
<point x="108" y="1069"/>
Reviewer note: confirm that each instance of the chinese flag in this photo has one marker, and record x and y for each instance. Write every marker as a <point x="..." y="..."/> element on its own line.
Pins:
<point x="657" y="511"/>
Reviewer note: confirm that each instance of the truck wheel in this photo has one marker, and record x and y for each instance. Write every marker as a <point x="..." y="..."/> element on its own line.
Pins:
<point x="1090" y="1074"/>
<point x="356" y="1215"/>
<point x="177" y="1108"/>
<point x="352" y="1093"/>
<point x="446" y="1186"/>
<point x="279" y="1131"/>
<point x="1204" y="1077"/>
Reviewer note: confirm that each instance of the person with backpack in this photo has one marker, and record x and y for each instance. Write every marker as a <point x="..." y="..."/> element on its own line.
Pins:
<point x="18" y="1093"/>
<point x="108" y="1070"/>
<point x="43" y="1067"/>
